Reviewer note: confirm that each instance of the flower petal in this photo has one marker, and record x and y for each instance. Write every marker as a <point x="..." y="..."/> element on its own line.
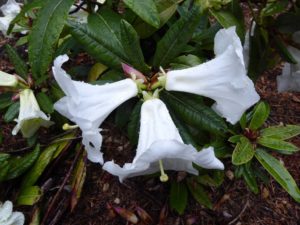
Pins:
<point x="5" y="211"/>
<point x="88" y="105"/>
<point x="223" y="79"/>
<point x="31" y="118"/>
<point x="8" y="80"/>
<point x="17" y="218"/>
<point x="159" y="139"/>
<point x="11" y="8"/>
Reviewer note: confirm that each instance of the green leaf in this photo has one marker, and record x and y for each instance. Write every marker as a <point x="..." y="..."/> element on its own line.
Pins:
<point x="279" y="173"/>
<point x="215" y="181"/>
<point x="95" y="47"/>
<point x="194" y="113"/>
<point x="178" y="197"/>
<point x="283" y="51"/>
<point x="123" y="113"/>
<point x="134" y="123"/>
<point x="12" y="112"/>
<point x="243" y="152"/>
<point x="146" y="10"/>
<point x="19" y="65"/>
<point x="45" y="102"/>
<point x="243" y="121"/>
<point x="281" y="132"/>
<point x="283" y="146"/>
<point x="19" y="165"/>
<point x="131" y="45"/>
<point x="4" y="167"/>
<point x="176" y="38"/>
<point x="198" y="193"/>
<point x="260" y="115"/>
<point x="274" y="7"/>
<point x="235" y="138"/>
<point x="4" y="157"/>
<point x="45" y="34"/>
<point x="5" y="100"/>
<point x="96" y="70"/>
<point x="29" y="195"/>
<point x="227" y="19"/>
<point x="185" y="61"/>
<point x="47" y="155"/>
<point x="25" y="8"/>
<point x="249" y="178"/>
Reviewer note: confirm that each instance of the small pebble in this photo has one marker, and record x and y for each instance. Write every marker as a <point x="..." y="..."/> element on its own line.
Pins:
<point x="117" y="201"/>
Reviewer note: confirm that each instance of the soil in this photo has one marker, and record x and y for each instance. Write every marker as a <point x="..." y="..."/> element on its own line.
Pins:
<point x="233" y="202"/>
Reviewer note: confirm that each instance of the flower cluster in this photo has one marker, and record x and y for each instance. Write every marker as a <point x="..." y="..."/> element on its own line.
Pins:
<point x="160" y="146"/>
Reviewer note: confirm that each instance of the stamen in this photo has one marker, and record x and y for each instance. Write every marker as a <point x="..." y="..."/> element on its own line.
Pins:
<point x="163" y="176"/>
<point x="67" y="126"/>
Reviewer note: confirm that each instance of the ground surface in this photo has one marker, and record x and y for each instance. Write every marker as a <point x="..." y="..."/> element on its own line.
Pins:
<point x="233" y="203"/>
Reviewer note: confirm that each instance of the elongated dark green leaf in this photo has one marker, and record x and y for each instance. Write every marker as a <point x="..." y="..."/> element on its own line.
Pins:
<point x="18" y="166"/>
<point x="45" y="102"/>
<point x="25" y="8"/>
<point x="176" y="38"/>
<point x="235" y="138"/>
<point x="283" y="51"/>
<point x="5" y="100"/>
<point x="123" y="113"/>
<point x="134" y="123"/>
<point x="274" y="7"/>
<point x="19" y="65"/>
<point x="281" y="132"/>
<point x="178" y="197"/>
<point x="199" y="193"/>
<point x="12" y="112"/>
<point x="146" y="10"/>
<point x="276" y="144"/>
<point x="45" y="33"/>
<point x="131" y="45"/>
<point x="279" y="173"/>
<point x="4" y="157"/>
<point x="185" y="61"/>
<point x="227" y="19"/>
<point x="243" y="152"/>
<point x="194" y="113"/>
<point x="260" y="115"/>
<point x="94" y="47"/>
<point x="29" y="195"/>
<point x="4" y="167"/>
<point x="249" y="178"/>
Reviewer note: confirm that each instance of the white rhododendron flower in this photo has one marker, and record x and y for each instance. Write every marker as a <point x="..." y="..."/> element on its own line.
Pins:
<point x="223" y="79"/>
<point x="9" y="10"/>
<point x="161" y="147"/>
<point x="31" y="118"/>
<point x="8" y="80"/>
<point x="290" y="77"/>
<point x="88" y="105"/>
<point x="8" y="217"/>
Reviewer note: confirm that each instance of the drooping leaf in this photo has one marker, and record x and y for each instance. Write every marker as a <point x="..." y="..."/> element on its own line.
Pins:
<point x="146" y="10"/>
<point x="194" y="113"/>
<point x="45" y="102"/>
<point x="260" y="115"/>
<point x="279" y="173"/>
<point x="29" y="196"/>
<point x="19" y="165"/>
<point x="12" y="112"/>
<point x="176" y="38"/>
<point x="280" y="145"/>
<point x="243" y="152"/>
<point x="281" y="132"/>
<point x="178" y="197"/>
<point x="123" y="113"/>
<point x="249" y="178"/>
<point x="131" y="45"/>
<point x="19" y="64"/>
<point x="134" y="123"/>
<point x="45" y="34"/>
<point x="199" y="193"/>
<point x="283" y="51"/>
<point x="5" y="100"/>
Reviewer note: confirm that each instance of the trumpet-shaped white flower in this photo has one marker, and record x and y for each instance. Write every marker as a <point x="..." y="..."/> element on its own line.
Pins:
<point x="290" y="77"/>
<point x="31" y="118"/>
<point x="160" y="146"/>
<point x="7" y="80"/>
<point x="8" y="217"/>
<point x="9" y="10"/>
<point x="88" y="105"/>
<point x="222" y="79"/>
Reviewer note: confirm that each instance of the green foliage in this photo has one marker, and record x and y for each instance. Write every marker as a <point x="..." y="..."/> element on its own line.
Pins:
<point x="279" y="173"/>
<point x="45" y="34"/>
<point x="20" y="66"/>
<point x="134" y="123"/>
<point x="243" y="152"/>
<point x="12" y="112"/>
<point x="178" y="196"/>
<point x="281" y="132"/>
<point x="260" y="115"/>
